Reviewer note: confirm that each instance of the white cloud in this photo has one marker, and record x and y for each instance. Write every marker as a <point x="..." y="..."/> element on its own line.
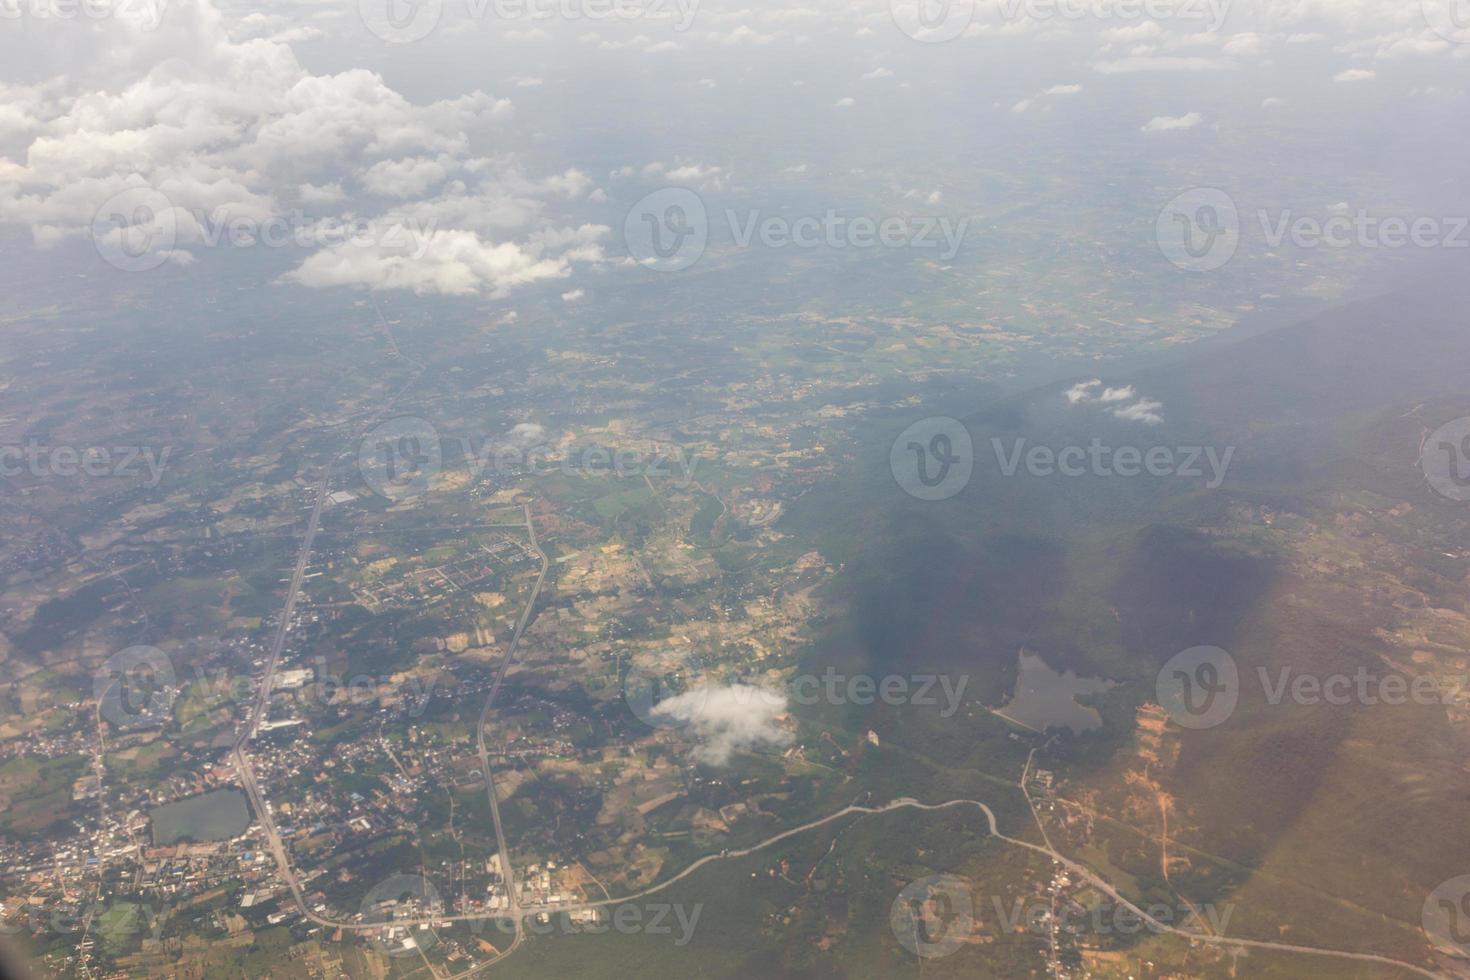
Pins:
<point x="456" y="263"/>
<point x="727" y="720"/>
<point x="1082" y="391"/>
<point x="1133" y="64"/>
<point x="1143" y="410"/>
<point x="1161" y="124"/>
<point x="1054" y="91"/>
<point x="1355" y="75"/>
<point x="224" y="129"/>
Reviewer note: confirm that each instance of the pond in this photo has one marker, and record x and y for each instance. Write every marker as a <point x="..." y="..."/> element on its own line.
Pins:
<point x="219" y="815"/>
<point x="1044" y="699"/>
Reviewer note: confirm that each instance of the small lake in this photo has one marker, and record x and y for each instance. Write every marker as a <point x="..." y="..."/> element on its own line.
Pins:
<point x="220" y="815"/>
<point x="1045" y="699"/>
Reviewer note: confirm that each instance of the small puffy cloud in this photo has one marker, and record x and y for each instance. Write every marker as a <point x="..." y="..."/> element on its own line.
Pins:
<point x="1054" y="91"/>
<point x="453" y="262"/>
<point x="1144" y="410"/>
<point x="1082" y="390"/>
<point x="1355" y="75"/>
<point x="1161" y="124"/>
<point x="693" y="172"/>
<point x="844" y="102"/>
<point x="879" y="72"/>
<point x="524" y="433"/>
<point x="727" y="720"/>
<point x="573" y="295"/>
<point x="1141" y="63"/>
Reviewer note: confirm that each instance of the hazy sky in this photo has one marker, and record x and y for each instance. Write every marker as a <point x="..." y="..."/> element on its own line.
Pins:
<point x="480" y="148"/>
